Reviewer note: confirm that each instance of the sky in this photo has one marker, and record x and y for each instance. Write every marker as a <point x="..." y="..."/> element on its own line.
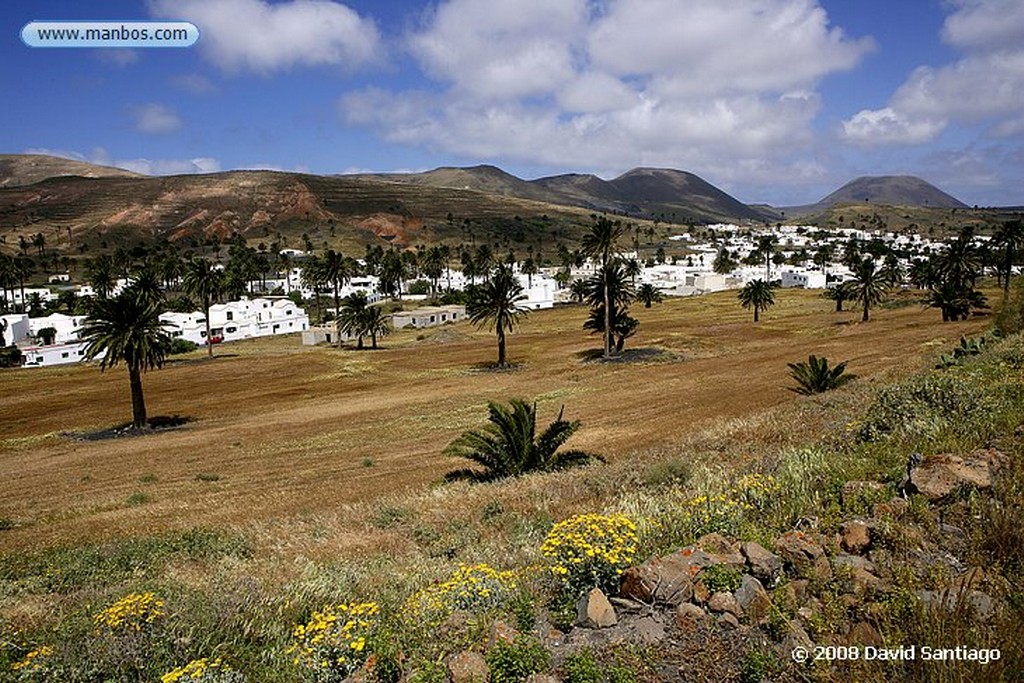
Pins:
<point x="774" y="101"/>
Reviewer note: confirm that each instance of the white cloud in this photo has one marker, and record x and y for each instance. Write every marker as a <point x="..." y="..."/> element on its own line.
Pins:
<point x="155" y="119"/>
<point x="887" y="126"/>
<point x="101" y="157"/>
<point x="255" y="35"/>
<point x="604" y="86"/>
<point x="986" y="85"/>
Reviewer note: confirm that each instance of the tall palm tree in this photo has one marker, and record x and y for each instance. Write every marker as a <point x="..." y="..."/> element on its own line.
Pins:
<point x="766" y="249"/>
<point x="337" y="272"/>
<point x="611" y="281"/>
<point x="601" y="243"/>
<point x="509" y="446"/>
<point x="100" y="272"/>
<point x="869" y="285"/>
<point x="204" y="283"/>
<point x="757" y="294"/>
<point x="127" y="329"/>
<point x="1010" y="238"/>
<point x="313" y="278"/>
<point x="496" y="301"/>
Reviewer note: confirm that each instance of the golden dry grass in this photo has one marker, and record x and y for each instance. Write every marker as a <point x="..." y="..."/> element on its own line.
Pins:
<point x="282" y="433"/>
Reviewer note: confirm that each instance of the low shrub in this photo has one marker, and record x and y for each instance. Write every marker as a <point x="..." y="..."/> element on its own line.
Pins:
<point x="515" y="661"/>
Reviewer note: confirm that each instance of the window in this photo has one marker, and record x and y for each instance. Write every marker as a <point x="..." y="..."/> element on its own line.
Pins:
<point x="231" y="329"/>
<point x="65" y="355"/>
<point x="231" y="316"/>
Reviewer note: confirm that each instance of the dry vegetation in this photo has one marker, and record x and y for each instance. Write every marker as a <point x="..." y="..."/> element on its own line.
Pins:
<point x="281" y="431"/>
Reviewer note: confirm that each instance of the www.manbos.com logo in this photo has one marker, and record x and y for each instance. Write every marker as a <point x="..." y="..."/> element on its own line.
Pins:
<point x="108" y="34"/>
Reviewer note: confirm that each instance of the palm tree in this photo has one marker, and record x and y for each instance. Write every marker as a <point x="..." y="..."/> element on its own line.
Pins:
<point x="633" y="268"/>
<point x="869" y="285"/>
<point x="648" y="294"/>
<point x="101" y="275"/>
<point x="127" y="329"/>
<point x="529" y="269"/>
<point x="496" y="301"/>
<point x="766" y="248"/>
<point x="724" y="263"/>
<point x="757" y="294"/>
<point x="839" y="293"/>
<point x="204" y="283"/>
<point x="600" y="243"/>
<point x="611" y="282"/>
<point x="376" y="324"/>
<point x="313" y="278"/>
<point x="337" y="271"/>
<point x="815" y="376"/>
<point x="1010" y="237"/>
<point x="352" y="318"/>
<point x="508" y="446"/>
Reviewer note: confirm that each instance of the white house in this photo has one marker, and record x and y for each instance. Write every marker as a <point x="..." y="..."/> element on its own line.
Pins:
<point x="242" y="319"/>
<point x="428" y="316"/>
<point x="54" y="354"/>
<point x="806" y="279"/>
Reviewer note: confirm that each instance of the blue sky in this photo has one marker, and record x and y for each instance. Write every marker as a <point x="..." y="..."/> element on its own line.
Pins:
<point x="777" y="101"/>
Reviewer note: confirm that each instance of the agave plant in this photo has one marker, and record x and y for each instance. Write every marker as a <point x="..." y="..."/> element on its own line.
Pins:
<point x="815" y="376"/>
<point x="509" y="446"/>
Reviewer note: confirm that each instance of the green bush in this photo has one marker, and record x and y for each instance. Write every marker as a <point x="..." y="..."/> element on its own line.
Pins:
<point x="582" y="667"/>
<point x="513" y="662"/>
<point x="179" y="345"/>
<point x="721" y="579"/>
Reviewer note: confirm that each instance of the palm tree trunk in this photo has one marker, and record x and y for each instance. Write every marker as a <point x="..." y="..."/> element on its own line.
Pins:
<point x="359" y="342"/>
<point x="1007" y="270"/>
<point x="373" y="340"/>
<point x="209" y="337"/>
<point x="864" y="318"/>
<point x="138" y="401"/>
<point x="501" y="347"/>
<point x="757" y="314"/>
<point x="607" y="313"/>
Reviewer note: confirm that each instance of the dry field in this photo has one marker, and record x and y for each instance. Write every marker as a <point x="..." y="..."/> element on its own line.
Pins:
<point x="283" y="432"/>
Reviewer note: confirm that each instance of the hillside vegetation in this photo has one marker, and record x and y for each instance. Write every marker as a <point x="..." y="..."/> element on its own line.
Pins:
<point x="309" y="477"/>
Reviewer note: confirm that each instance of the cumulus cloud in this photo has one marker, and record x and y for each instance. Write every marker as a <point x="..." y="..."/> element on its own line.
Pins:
<point x="986" y="85"/>
<point x="154" y="119"/>
<point x="886" y="126"/>
<point x="685" y="83"/>
<point x="255" y="35"/>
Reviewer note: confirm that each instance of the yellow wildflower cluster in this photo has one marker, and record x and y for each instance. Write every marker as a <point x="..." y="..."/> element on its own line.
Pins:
<point x="133" y="611"/>
<point x="591" y="550"/>
<point x="723" y="512"/>
<point x="34" y="660"/>
<point x="471" y="588"/>
<point x="203" y="671"/>
<point x="333" y="641"/>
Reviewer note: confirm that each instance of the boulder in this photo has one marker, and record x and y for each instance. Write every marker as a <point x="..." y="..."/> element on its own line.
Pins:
<point x="804" y="555"/>
<point x="981" y="604"/>
<point x="501" y="631"/>
<point x="665" y="580"/>
<point x="722" y="551"/>
<point x="725" y="602"/>
<point x="727" y="621"/>
<point x="690" y="618"/>
<point x="753" y="599"/>
<point x="795" y="637"/>
<point x="594" y="611"/>
<point x="939" y="476"/>
<point x="855" y="536"/>
<point x="466" y="667"/>
<point x="765" y="565"/>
